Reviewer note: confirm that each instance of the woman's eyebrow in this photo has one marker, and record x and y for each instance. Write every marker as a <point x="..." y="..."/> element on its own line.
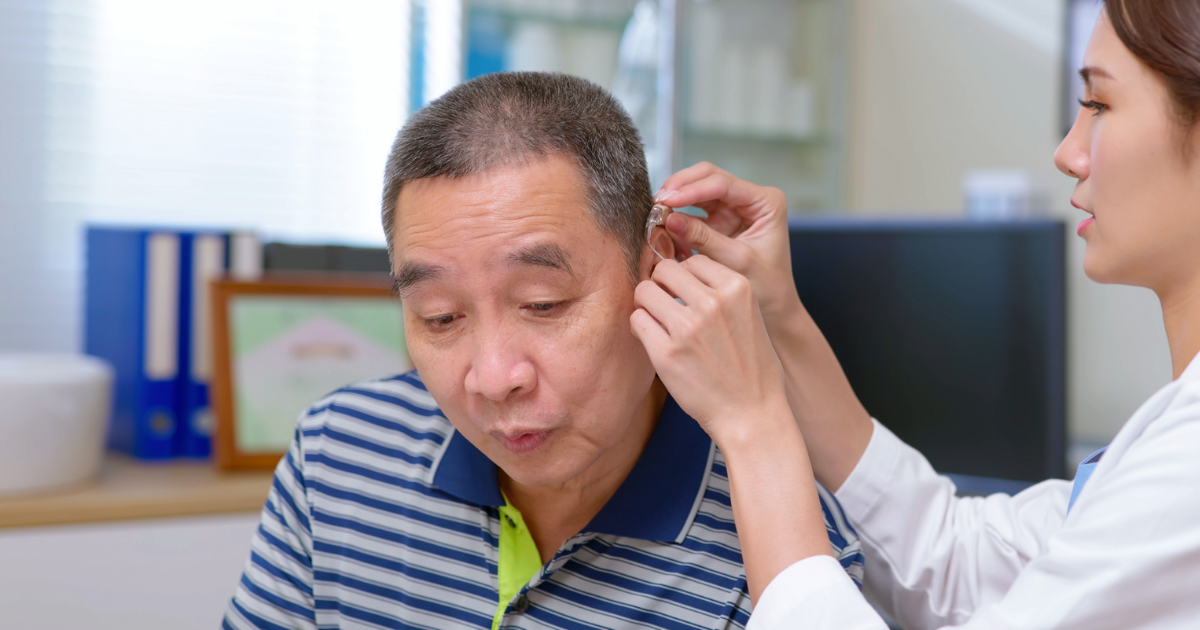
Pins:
<point x="1087" y="72"/>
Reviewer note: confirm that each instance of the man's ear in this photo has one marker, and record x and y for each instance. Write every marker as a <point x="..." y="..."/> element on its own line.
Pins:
<point x="661" y="242"/>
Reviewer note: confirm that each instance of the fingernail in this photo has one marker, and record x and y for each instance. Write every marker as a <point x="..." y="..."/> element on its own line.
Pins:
<point x="663" y="195"/>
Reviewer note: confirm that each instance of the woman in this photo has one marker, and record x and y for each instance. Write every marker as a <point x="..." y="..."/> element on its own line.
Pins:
<point x="1122" y="551"/>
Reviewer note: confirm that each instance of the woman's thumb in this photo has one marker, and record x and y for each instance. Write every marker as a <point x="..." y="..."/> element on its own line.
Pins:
<point x="692" y="233"/>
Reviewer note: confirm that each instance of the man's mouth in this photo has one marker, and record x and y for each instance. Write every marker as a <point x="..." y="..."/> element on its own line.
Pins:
<point x="523" y="443"/>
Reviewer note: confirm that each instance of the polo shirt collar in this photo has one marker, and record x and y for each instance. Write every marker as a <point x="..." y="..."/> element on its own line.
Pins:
<point x="657" y="501"/>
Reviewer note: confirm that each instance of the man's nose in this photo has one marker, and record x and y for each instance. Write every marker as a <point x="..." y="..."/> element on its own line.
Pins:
<point x="499" y="369"/>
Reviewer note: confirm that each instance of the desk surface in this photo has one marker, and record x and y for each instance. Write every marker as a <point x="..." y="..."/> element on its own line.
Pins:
<point x="129" y="489"/>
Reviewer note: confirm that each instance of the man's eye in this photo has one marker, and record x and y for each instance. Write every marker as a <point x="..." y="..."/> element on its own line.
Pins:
<point x="440" y="321"/>
<point x="1093" y="105"/>
<point x="543" y="307"/>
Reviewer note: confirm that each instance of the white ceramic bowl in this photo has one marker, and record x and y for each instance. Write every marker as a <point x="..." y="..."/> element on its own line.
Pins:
<point x="54" y="411"/>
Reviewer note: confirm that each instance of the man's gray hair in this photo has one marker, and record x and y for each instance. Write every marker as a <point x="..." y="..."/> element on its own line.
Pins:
<point x="509" y="117"/>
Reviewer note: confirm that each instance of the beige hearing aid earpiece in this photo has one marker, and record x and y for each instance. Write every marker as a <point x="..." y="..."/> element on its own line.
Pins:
<point x="658" y="217"/>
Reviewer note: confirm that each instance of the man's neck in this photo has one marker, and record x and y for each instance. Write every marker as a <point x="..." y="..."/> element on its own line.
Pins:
<point x="555" y="513"/>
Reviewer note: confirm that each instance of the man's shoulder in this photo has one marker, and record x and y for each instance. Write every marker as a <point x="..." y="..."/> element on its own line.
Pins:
<point x="394" y="417"/>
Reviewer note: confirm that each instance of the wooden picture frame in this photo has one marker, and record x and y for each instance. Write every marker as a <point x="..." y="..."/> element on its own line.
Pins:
<point x="289" y="321"/>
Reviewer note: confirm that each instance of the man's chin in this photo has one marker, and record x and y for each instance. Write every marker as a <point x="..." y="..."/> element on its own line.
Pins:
<point x="541" y="469"/>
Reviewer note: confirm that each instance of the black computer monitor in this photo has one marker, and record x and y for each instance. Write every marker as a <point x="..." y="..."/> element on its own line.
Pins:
<point x="951" y="333"/>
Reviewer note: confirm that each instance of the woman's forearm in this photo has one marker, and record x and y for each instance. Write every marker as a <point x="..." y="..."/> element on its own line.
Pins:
<point x="835" y="425"/>
<point x="774" y="496"/>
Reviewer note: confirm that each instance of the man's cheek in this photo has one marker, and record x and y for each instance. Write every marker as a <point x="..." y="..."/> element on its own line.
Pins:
<point x="577" y="360"/>
<point x="418" y="352"/>
<point x="439" y="368"/>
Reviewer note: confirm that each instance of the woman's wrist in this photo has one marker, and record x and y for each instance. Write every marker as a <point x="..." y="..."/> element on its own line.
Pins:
<point x="774" y="498"/>
<point x="790" y="327"/>
<point x="754" y="429"/>
<point x="835" y="425"/>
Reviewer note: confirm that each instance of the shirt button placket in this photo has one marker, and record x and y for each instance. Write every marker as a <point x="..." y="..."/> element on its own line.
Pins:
<point x="521" y="605"/>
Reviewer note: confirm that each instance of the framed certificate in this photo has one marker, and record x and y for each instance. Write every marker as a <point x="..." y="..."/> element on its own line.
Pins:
<point x="282" y="344"/>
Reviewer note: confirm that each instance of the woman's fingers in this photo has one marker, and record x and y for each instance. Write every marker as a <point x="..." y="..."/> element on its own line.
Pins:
<point x="705" y="286"/>
<point x="746" y="230"/>
<point x="708" y="183"/>
<point x="713" y="274"/>
<point x="697" y="345"/>
<point x="650" y="332"/>
<point x="654" y="298"/>
<point x="679" y="282"/>
<point x="693" y="233"/>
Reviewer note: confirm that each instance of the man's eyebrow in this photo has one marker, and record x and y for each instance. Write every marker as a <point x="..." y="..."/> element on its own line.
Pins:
<point x="1087" y="72"/>
<point x="543" y="255"/>
<point x="411" y="274"/>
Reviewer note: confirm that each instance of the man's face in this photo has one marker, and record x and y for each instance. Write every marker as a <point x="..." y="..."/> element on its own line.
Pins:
<point x="517" y="316"/>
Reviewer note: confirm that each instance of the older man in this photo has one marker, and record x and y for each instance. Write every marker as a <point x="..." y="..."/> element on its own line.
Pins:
<point x="532" y="472"/>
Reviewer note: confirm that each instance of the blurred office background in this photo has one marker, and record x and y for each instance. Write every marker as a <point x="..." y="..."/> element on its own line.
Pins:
<point x="277" y="116"/>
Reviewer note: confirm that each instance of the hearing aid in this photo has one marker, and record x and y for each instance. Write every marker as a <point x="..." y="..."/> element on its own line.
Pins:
<point x="658" y="217"/>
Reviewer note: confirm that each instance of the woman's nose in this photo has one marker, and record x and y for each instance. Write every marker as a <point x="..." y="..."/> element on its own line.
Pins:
<point x="1073" y="155"/>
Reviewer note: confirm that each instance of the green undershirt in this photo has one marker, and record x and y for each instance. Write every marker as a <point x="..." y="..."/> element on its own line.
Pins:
<point x="519" y="558"/>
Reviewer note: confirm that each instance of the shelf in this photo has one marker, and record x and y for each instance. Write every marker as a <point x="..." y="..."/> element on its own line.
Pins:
<point x="128" y="489"/>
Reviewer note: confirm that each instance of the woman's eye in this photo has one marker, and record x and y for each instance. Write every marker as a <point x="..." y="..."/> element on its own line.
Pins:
<point x="1093" y="105"/>
<point x="543" y="307"/>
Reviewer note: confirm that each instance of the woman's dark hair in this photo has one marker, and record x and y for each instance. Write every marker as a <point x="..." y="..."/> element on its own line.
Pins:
<point x="1165" y="35"/>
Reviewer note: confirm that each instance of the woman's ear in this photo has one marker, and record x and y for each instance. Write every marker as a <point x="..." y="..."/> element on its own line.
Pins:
<point x="661" y="242"/>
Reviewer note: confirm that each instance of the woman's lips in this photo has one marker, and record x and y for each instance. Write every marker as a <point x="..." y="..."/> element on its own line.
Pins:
<point x="524" y="443"/>
<point x="1086" y="222"/>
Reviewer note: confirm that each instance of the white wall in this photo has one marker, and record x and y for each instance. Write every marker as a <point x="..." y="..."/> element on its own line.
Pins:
<point x="175" y="574"/>
<point x="940" y="87"/>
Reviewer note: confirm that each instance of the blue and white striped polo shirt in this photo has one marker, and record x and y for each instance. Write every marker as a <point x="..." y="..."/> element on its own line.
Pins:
<point x="382" y="516"/>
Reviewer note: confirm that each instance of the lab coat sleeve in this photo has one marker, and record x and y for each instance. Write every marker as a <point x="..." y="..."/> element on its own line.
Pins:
<point x="814" y="593"/>
<point x="932" y="559"/>
<point x="1127" y="556"/>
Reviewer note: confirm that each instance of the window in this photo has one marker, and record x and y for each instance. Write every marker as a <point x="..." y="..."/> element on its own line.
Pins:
<point x="271" y="115"/>
<point x="274" y="115"/>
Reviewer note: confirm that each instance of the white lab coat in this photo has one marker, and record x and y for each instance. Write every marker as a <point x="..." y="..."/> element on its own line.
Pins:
<point x="1127" y="555"/>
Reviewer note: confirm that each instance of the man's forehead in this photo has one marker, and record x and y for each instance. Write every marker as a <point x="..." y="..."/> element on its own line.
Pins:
<point x="532" y="214"/>
<point x="546" y="193"/>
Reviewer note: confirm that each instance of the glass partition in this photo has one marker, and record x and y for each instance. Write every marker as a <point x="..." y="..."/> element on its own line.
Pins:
<point x="757" y="87"/>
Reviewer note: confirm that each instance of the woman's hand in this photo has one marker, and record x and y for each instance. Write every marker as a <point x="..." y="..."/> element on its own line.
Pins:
<point x="712" y="352"/>
<point x="713" y="355"/>
<point x="746" y="231"/>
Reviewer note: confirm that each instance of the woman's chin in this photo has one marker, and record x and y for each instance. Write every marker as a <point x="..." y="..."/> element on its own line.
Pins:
<point x="1097" y="268"/>
<point x="1105" y="267"/>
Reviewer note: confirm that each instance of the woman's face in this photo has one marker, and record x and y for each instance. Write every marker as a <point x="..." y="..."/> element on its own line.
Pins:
<point x="1138" y="172"/>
